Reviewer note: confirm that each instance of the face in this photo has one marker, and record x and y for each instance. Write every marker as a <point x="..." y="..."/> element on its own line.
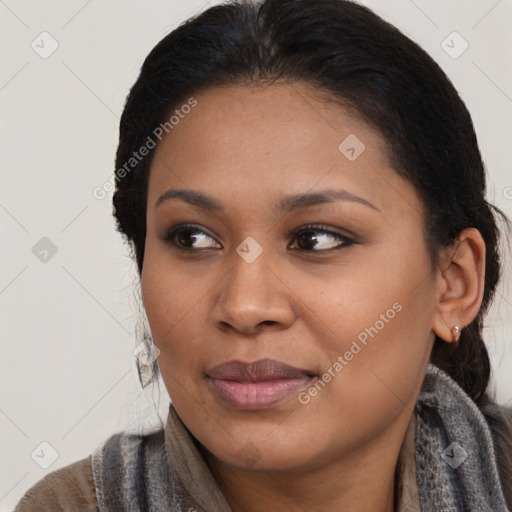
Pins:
<point x="331" y="295"/>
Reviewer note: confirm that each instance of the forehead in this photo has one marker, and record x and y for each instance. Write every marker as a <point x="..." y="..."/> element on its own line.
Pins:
<point x="284" y="118"/>
<point x="254" y="143"/>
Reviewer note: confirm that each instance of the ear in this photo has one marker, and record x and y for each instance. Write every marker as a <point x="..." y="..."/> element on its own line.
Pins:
<point x="461" y="277"/>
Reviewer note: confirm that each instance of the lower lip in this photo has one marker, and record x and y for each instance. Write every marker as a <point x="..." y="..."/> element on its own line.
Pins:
<point x="257" y="395"/>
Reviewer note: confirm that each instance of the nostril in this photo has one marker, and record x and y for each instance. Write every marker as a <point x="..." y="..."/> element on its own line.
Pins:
<point x="267" y="322"/>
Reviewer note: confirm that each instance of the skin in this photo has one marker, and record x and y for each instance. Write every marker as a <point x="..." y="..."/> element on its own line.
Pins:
<point x="248" y="147"/>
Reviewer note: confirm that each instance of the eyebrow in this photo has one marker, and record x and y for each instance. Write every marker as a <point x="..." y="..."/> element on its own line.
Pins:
<point x="286" y="204"/>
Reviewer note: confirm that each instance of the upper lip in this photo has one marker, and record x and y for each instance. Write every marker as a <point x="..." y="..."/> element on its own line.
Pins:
<point x="257" y="371"/>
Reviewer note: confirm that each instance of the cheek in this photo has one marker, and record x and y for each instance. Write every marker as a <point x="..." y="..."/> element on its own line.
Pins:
<point x="382" y="299"/>
<point x="379" y="320"/>
<point x="169" y="293"/>
<point x="174" y="301"/>
<point x="386" y="348"/>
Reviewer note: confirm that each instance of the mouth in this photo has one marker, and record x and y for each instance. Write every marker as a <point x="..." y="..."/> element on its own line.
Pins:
<point x="257" y="385"/>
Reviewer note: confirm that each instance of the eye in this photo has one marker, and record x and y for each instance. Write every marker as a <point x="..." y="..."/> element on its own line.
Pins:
<point x="322" y="242"/>
<point x="184" y="236"/>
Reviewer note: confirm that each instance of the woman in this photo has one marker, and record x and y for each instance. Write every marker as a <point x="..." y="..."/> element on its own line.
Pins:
<point x="303" y="192"/>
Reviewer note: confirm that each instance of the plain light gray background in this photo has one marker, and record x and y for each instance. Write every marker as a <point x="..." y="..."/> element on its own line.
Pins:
<point x="67" y="367"/>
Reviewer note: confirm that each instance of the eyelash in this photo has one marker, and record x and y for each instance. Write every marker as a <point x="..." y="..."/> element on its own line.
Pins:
<point x="345" y="240"/>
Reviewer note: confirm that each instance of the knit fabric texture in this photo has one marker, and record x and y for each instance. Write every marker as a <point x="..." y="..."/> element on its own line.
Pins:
<point x="455" y="458"/>
<point x="455" y="462"/>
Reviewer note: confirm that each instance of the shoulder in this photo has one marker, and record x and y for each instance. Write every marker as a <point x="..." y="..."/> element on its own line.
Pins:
<point x="69" y="489"/>
<point x="74" y="488"/>
<point x="499" y="419"/>
<point x="133" y="472"/>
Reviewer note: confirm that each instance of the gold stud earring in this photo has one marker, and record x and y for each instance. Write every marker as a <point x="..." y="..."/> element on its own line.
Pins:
<point x="456" y="333"/>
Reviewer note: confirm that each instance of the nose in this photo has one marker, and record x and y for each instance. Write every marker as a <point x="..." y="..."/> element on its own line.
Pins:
<point x="253" y="295"/>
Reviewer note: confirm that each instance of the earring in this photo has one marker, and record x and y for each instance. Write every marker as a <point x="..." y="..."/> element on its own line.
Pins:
<point x="456" y="333"/>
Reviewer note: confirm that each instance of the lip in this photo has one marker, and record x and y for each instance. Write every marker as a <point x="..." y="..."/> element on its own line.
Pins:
<point x="257" y="385"/>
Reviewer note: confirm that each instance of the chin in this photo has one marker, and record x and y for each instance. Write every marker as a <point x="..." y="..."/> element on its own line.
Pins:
<point x="268" y="448"/>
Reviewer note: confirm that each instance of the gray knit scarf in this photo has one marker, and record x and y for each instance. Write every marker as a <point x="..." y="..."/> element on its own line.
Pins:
<point x="164" y="471"/>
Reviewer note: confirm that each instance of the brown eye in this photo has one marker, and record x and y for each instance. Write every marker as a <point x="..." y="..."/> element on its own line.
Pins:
<point x="184" y="236"/>
<point x="327" y="240"/>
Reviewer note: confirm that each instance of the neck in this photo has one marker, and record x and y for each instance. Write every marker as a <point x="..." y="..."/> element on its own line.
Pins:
<point x="361" y="480"/>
